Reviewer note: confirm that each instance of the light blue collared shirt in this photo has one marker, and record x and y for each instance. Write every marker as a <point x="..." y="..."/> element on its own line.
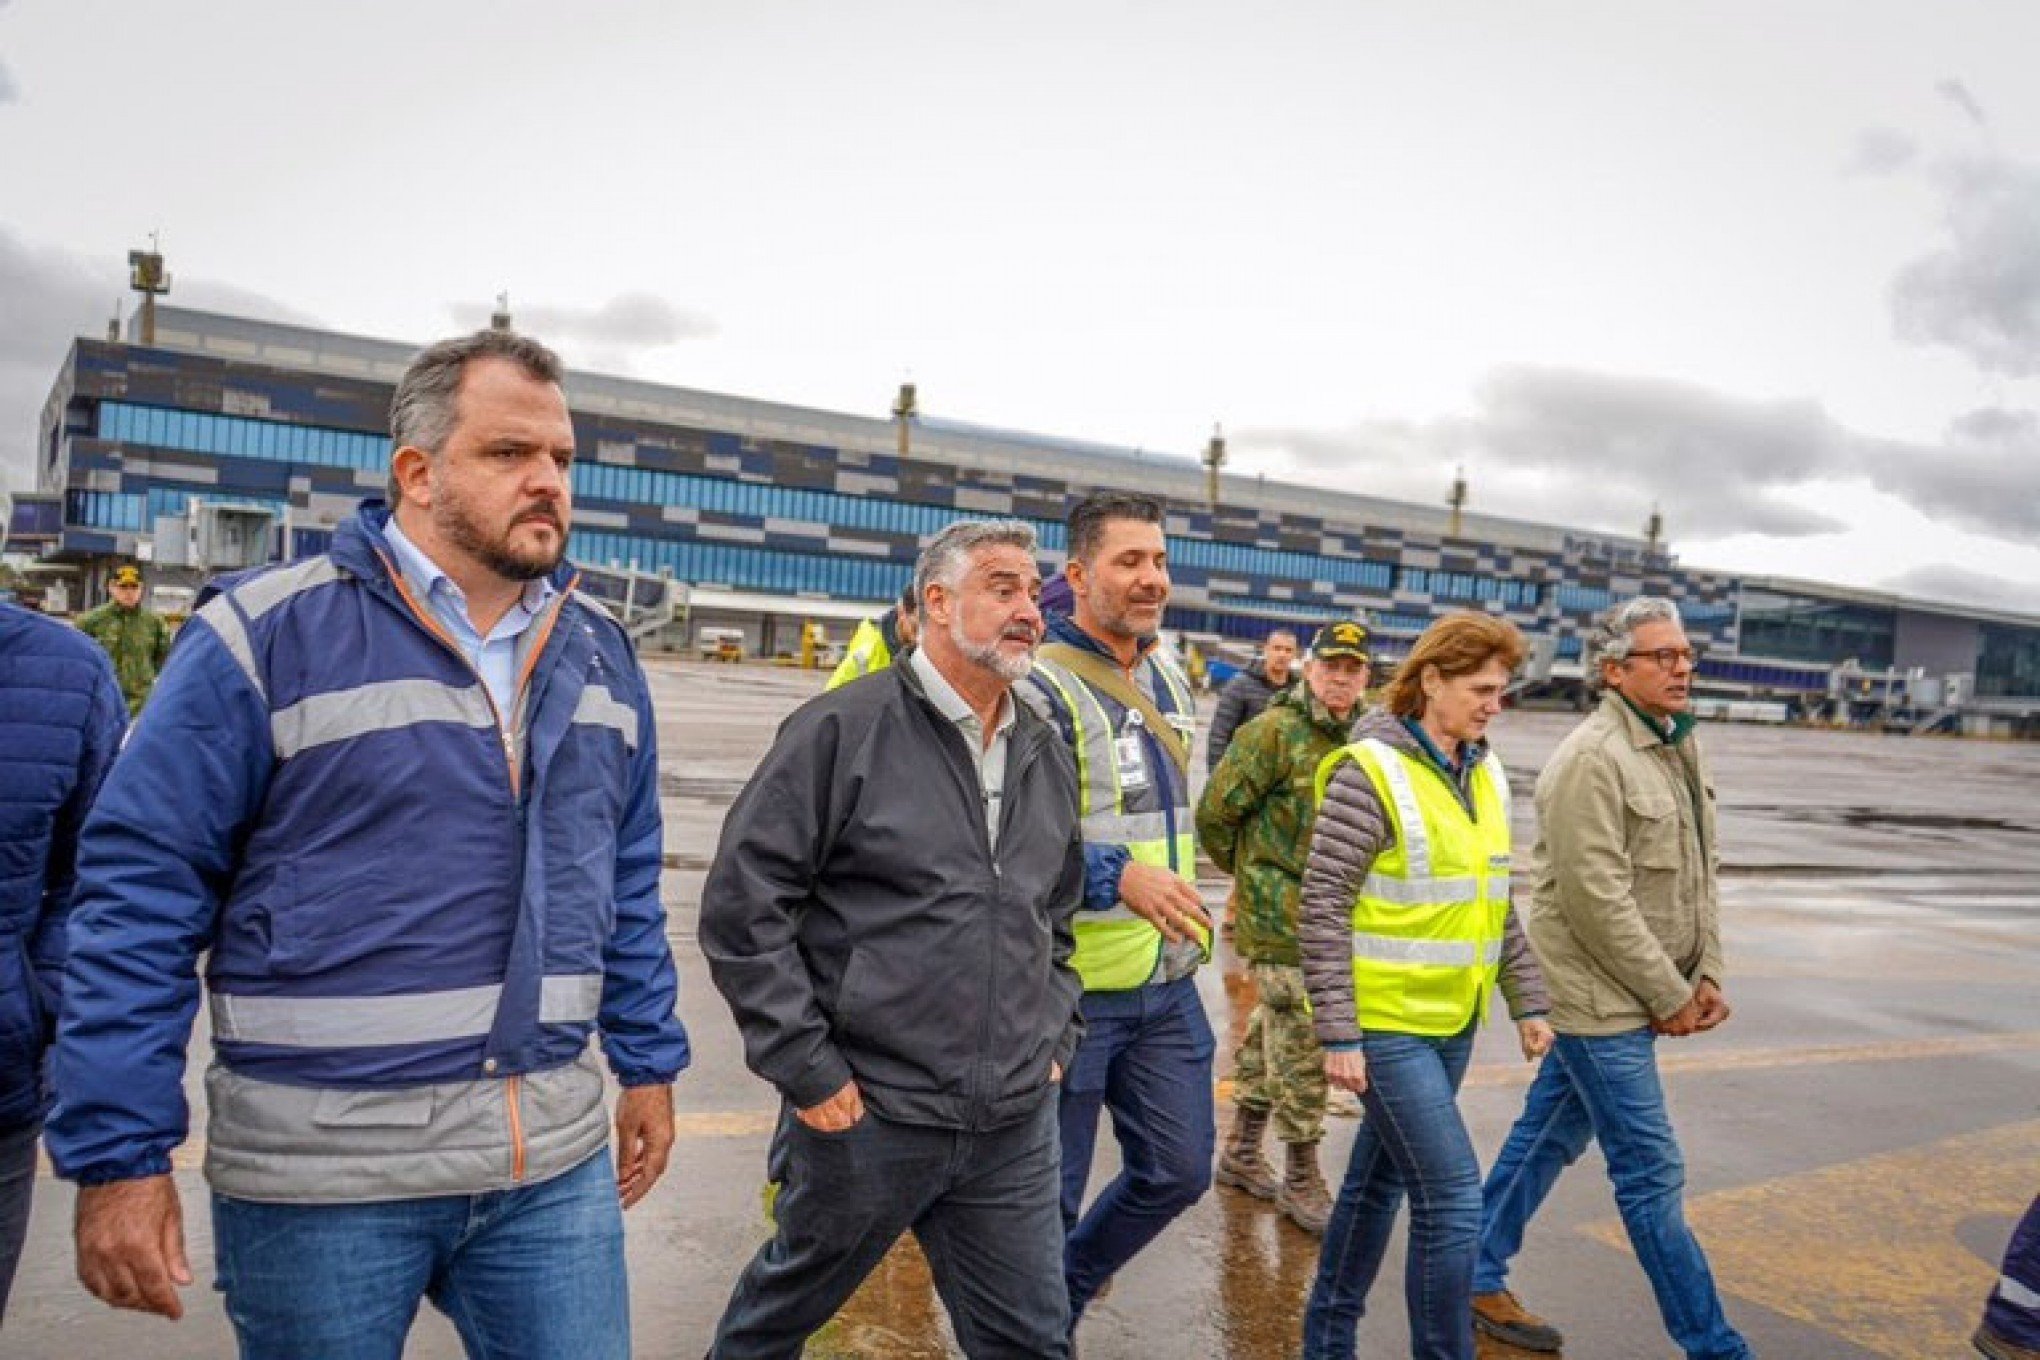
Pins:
<point x="494" y="657"/>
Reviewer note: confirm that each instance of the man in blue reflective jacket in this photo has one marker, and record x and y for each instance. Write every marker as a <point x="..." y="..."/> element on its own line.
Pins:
<point x="61" y="716"/>
<point x="406" y="795"/>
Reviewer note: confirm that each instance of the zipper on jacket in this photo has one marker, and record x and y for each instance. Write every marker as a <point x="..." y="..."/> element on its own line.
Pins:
<point x="432" y="626"/>
<point x="512" y="1091"/>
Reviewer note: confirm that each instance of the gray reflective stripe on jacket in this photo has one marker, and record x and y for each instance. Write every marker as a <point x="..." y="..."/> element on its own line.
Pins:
<point x="1416" y="836"/>
<point x="307" y="1145"/>
<point x="382" y="706"/>
<point x="1450" y="953"/>
<point x="410" y="1018"/>
<point x="600" y="708"/>
<point x="249" y="601"/>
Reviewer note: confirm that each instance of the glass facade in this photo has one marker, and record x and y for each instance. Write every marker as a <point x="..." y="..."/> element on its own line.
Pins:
<point x="2008" y="665"/>
<point x="240" y="437"/>
<point x="741" y="567"/>
<point x="1790" y="628"/>
<point x="1465" y="586"/>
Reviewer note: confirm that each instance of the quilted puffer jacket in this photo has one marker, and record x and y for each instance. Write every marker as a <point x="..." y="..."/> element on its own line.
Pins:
<point x="61" y="719"/>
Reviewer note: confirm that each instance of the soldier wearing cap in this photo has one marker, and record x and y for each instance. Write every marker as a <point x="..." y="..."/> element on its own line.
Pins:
<point x="1255" y="821"/>
<point x="137" y="640"/>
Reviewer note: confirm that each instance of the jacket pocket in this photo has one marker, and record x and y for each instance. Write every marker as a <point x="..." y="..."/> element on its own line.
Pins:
<point x="408" y="1108"/>
<point x="1653" y="829"/>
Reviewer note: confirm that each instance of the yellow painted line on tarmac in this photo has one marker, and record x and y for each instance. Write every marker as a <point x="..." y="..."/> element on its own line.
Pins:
<point x="1867" y="1250"/>
<point x="1672" y="1064"/>
<point x="758" y="1123"/>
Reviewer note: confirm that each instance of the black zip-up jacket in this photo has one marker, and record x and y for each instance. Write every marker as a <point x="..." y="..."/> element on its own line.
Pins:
<point x="858" y="924"/>
<point x="1245" y="697"/>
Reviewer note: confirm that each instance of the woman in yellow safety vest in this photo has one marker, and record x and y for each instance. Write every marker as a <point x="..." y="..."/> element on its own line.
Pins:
<point x="1405" y="926"/>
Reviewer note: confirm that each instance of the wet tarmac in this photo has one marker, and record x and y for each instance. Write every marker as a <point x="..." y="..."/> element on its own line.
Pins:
<point x="1859" y="1138"/>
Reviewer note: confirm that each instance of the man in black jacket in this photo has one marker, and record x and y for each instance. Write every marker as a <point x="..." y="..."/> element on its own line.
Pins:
<point x="1247" y="695"/>
<point x="888" y="917"/>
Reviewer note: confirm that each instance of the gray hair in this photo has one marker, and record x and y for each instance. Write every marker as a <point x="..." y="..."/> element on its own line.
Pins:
<point x="947" y="557"/>
<point x="1617" y="631"/>
<point x="422" y="413"/>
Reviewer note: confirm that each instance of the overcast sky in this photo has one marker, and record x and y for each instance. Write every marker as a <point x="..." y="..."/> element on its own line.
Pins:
<point x="1774" y="268"/>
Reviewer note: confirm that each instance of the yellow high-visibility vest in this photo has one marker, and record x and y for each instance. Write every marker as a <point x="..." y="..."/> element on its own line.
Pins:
<point x="866" y="654"/>
<point x="1428" y="920"/>
<point x="1117" y="950"/>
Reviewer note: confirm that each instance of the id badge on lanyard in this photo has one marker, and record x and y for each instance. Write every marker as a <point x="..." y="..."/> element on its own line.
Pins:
<point x="1130" y="755"/>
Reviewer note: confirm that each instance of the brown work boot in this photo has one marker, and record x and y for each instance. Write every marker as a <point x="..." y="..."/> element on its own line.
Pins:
<point x="1302" y="1195"/>
<point x="1501" y="1317"/>
<point x="1241" y="1165"/>
<point x="1996" y="1347"/>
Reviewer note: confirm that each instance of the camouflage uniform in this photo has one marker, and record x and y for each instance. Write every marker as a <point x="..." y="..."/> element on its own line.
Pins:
<point x="1254" y="820"/>
<point x="137" y="640"/>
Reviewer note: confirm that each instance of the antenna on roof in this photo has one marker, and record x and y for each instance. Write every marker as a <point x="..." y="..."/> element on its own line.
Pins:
<point x="1214" y="459"/>
<point x="499" y="320"/>
<point x="906" y="409"/>
<point x="1457" y="500"/>
<point x="147" y="276"/>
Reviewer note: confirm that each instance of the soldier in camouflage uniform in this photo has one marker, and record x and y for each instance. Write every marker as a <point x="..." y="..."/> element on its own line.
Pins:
<point x="137" y="640"/>
<point x="1255" y="822"/>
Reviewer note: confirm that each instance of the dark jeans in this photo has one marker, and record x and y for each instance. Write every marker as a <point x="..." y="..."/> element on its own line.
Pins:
<point x="1146" y="1056"/>
<point x="535" y="1271"/>
<point x="2014" y="1308"/>
<point x="1607" y="1088"/>
<point x="983" y="1206"/>
<point x="1413" y="1141"/>
<point x="17" y="1188"/>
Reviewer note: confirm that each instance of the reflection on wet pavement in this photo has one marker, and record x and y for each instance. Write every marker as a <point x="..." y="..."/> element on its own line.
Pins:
<point x="894" y="1313"/>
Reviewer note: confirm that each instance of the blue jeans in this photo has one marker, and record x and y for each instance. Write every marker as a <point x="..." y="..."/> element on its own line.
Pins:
<point x="17" y="1187"/>
<point x="2014" y="1308"/>
<point x="1411" y="1140"/>
<point x="983" y="1206"/>
<point x="1608" y="1088"/>
<point x="1146" y="1056"/>
<point x="536" y="1271"/>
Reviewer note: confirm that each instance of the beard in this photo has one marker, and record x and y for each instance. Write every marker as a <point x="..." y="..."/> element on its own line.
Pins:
<point x="459" y="526"/>
<point x="1011" y="669"/>
<point x="1115" y="617"/>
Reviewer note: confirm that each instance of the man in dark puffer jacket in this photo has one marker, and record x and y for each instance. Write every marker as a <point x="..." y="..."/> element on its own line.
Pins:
<point x="61" y="719"/>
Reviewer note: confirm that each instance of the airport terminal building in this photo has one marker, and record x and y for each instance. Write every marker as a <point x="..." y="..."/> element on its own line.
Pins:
<point x="228" y="442"/>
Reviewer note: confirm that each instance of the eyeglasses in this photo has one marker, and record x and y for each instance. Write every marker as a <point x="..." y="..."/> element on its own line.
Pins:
<point x="1668" y="658"/>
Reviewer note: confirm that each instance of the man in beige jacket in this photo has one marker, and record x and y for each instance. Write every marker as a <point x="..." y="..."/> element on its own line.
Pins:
<point x="1624" y="917"/>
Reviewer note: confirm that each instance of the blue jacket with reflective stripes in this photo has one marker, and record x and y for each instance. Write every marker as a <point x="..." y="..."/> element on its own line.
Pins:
<point x="396" y="889"/>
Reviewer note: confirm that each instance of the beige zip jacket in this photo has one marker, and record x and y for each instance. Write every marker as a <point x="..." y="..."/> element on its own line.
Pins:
<point x="1624" y="912"/>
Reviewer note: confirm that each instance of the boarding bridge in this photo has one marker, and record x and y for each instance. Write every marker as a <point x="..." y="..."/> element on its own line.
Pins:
<point x="644" y="603"/>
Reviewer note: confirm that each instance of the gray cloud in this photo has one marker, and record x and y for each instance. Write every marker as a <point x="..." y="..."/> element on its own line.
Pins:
<point x="1959" y="585"/>
<point x="1599" y="449"/>
<point x="1956" y="93"/>
<point x="52" y="296"/>
<point x="1882" y="150"/>
<point x="9" y="90"/>
<point x="1984" y="476"/>
<point x="1979" y="293"/>
<point x="628" y="321"/>
<point x="55" y="295"/>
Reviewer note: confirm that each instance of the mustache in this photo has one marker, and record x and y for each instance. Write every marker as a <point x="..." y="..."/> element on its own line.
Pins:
<point x="1021" y="632"/>
<point x="544" y="513"/>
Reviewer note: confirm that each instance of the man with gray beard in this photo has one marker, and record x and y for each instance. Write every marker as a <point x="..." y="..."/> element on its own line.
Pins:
<point x="889" y="918"/>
